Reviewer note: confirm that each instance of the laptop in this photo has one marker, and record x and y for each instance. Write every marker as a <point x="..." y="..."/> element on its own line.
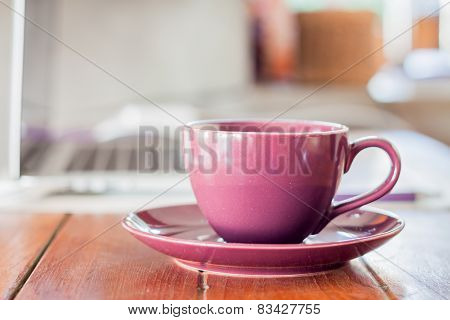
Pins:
<point x="83" y="95"/>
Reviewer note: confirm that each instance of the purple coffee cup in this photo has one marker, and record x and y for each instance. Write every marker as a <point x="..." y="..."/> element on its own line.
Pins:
<point x="274" y="182"/>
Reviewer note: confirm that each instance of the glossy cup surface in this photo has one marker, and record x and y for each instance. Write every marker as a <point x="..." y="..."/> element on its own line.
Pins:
<point x="265" y="185"/>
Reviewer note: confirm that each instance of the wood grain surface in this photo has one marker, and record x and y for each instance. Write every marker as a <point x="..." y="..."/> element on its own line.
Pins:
<point x="352" y="281"/>
<point x="92" y="257"/>
<point x="113" y="266"/>
<point x="416" y="263"/>
<point x="23" y="239"/>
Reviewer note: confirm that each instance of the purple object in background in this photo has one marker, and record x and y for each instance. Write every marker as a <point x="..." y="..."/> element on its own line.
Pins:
<point x="245" y="201"/>
<point x="183" y="233"/>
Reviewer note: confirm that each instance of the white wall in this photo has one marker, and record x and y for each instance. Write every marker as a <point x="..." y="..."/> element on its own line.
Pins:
<point x="161" y="48"/>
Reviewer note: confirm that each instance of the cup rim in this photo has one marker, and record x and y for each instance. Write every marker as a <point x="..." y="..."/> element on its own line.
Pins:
<point x="337" y="127"/>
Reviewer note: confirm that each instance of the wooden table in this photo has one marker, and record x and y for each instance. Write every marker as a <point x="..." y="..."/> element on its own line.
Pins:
<point x="41" y="258"/>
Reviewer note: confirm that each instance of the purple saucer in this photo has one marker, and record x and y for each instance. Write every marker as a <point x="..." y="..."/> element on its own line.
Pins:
<point x="183" y="233"/>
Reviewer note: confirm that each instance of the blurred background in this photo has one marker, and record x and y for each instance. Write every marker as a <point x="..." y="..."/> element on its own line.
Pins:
<point x="90" y="73"/>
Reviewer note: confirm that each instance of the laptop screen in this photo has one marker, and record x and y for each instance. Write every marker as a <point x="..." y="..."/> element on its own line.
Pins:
<point x="88" y="64"/>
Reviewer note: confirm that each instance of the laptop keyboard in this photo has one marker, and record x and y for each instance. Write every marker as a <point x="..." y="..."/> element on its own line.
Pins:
<point x="56" y="158"/>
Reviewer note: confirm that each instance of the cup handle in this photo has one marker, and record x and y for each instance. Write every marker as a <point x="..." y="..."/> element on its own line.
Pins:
<point x="346" y="205"/>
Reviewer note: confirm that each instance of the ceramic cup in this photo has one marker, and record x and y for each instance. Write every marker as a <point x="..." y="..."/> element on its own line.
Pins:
<point x="274" y="182"/>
